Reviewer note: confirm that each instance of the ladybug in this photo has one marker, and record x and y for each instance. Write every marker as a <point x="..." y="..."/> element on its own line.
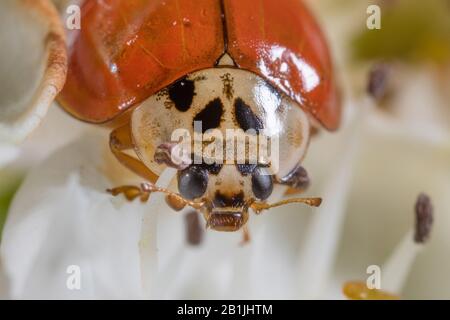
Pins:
<point x="148" y="68"/>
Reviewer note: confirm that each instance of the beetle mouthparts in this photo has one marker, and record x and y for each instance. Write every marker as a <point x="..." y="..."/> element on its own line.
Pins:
<point x="226" y="220"/>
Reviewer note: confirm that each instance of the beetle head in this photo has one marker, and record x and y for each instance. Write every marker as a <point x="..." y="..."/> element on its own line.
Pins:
<point x="224" y="208"/>
<point x="224" y="191"/>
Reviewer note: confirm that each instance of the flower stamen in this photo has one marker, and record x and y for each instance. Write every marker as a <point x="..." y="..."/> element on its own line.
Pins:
<point x="396" y="269"/>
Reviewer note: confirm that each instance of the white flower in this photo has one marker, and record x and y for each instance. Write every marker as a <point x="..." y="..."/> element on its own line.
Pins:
<point x="33" y="65"/>
<point x="68" y="221"/>
<point x="62" y="216"/>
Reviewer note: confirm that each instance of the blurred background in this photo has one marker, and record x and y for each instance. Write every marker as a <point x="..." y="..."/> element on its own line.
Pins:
<point x="393" y="145"/>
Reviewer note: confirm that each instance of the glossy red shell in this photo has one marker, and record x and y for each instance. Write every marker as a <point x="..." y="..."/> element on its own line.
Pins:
<point x="128" y="50"/>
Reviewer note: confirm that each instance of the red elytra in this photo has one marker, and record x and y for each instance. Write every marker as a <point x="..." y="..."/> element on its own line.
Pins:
<point x="127" y="51"/>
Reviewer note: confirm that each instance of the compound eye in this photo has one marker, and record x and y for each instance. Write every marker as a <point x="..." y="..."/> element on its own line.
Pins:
<point x="262" y="184"/>
<point x="192" y="182"/>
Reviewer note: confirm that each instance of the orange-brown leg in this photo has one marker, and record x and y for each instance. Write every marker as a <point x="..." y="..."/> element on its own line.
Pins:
<point x="146" y="189"/>
<point x="120" y="141"/>
<point x="131" y="192"/>
<point x="245" y="236"/>
<point x="175" y="202"/>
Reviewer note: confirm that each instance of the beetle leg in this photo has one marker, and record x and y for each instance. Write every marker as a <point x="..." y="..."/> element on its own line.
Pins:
<point x="130" y="192"/>
<point x="297" y="181"/>
<point x="119" y="141"/>
<point x="144" y="191"/>
<point x="166" y="153"/>
<point x="175" y="203"/>
<point x="245" y="236"/>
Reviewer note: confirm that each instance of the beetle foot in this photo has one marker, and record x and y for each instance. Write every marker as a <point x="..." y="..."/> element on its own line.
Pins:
<point x="297" y="179"/>
<point x="245" y="237"/>
<point x="173" y="155"/>
<point x="131" y="192"/>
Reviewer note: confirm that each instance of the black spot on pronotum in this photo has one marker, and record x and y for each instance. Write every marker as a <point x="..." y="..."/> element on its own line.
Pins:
<point x="246" y="169"/>
<point x="212" y="168"/>
<point x="210" y="116"/>
<point x="245" y="117"/>
<point x="182" y="93"/>
<point x="424" y="218"/>
<point x="262" y="184"/>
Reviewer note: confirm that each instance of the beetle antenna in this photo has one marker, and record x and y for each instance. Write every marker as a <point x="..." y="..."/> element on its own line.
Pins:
<point x="151" y="188"/>
<point x="133" y="192"/>
<point x="260" y="206"/>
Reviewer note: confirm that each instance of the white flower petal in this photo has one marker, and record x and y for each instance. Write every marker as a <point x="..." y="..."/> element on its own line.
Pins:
<point x="62" y="216"/>
<point x="8" y="153"/>
<point x="33" y="64"/>
<point x="4" y="284"/>
<point x="390" y="173"/>
<point x="56" y="131"/>
<point x="319" y="249"/>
